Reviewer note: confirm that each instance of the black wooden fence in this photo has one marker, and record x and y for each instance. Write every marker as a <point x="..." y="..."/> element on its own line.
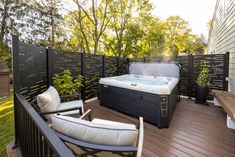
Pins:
<point x="92" y="67"/>
<point x="38" y="65"/>
<point x="32" y="133"/>
<point x="35" y="66"/>
<point x="218" y="65"/>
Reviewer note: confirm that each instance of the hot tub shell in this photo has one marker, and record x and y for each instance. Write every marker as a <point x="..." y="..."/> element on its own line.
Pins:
<point x="155" y="107"/>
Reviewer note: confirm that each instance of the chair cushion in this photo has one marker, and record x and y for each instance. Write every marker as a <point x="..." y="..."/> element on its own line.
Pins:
<point x="48" y="100"/>
<point x="108" y="122"/>
<point x="70" y="104"/>
<point x="110" y="133"/>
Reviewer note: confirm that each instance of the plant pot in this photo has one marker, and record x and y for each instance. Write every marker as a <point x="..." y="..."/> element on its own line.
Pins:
<point x="202" y="94"/>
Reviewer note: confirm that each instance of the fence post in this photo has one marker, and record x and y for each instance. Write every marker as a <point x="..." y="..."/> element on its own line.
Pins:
<point x="226" y="71"/>
<point x="117" y="72"/>
<point x="128" y="64"/>
<point x="16" y="81"/>
<point x="83" y="88"/>
<point x="49" y="66"/>
<point x="103" y="65"/>
<point x="190" y="76"/>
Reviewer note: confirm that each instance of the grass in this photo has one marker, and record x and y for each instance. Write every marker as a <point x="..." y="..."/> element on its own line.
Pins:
<point x="6" y="123"/>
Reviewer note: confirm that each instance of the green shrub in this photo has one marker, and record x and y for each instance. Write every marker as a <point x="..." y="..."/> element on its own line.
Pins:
<point x="66" y="84"/>
<point x="202" y="80"/>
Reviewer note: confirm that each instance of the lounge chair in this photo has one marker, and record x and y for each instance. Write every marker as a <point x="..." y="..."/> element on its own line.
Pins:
<point x="50" y="103"/>
<point x="97" y="135"/>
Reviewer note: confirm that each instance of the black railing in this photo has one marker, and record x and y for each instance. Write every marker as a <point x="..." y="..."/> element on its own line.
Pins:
<point x="34" y="136"/>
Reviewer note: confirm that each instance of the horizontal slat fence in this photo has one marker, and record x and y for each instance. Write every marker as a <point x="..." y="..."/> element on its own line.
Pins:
<point x="190" y="69"/>
<point x="92" y="73"/>
<point x="217" y="66"/>
<point x="38" y="65"/>
<point x="61" y="61"/>
<point x="32" y="71"/>
<point x="110" y="66"/>
<point x="32" y="134"/>
<point x="92" y="67"/>
<point x="123" y="65"/>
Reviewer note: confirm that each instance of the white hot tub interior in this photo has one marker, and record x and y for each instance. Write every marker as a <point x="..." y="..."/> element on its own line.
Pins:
<point x="157" y="78"/>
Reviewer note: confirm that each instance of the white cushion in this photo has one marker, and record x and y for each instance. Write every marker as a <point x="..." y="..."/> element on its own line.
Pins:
<point x="70" y="104"/>
<point x="110" y="133"/>
<point x="108" y="122"/>
<point x="48" y="100"/>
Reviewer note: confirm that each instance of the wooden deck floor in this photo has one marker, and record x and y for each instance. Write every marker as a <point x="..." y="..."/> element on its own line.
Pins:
<point x="195" y="130"/>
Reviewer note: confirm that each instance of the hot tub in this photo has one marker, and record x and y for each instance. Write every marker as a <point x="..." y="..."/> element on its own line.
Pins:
<point x="152" y="97"/>
<point x="150" y="84"/>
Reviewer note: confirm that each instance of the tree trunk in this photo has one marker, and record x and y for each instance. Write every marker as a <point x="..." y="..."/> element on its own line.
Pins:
<point x="95" y="35"/>
<point x="52" y="32"/>
<point x="96" y="47"/>
<point x="3" y="22"/>
<point x="52" y="25"/>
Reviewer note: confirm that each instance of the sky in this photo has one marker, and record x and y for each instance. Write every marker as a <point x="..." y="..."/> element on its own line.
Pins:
<point x="196" y="12"/>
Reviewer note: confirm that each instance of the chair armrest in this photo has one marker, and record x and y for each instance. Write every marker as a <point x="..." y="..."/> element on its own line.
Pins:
<point x="141" y="137"/>
<point x="95" y="147"/>
<point x="64" y="110"/>
<point x="34" y="104"/>
<point x="87" y="113"/>
<point x="71" y="96"/>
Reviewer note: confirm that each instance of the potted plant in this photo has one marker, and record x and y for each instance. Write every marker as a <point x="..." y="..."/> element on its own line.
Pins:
<point x="202" y="89"/>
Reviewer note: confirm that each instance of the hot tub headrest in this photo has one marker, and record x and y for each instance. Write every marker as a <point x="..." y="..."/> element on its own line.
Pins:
<point x="155" y="69"/>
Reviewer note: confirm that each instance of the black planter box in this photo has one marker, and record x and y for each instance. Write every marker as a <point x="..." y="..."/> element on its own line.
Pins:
<point x="201" y="95"/>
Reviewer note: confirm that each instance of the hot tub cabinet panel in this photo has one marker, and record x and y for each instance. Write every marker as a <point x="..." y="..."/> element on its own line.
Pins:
<point x="156" y="109"/>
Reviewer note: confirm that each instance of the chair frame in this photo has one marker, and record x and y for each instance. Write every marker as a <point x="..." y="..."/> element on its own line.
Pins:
<point x="93" y="149"/>
<point x="63" y="99"/>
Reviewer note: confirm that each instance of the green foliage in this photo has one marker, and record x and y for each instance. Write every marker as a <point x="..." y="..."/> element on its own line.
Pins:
<point x="5" y="52"/>
<point x="202" y="80"/>
<point x="177" y="34"/>
<point x="66" y="84"/>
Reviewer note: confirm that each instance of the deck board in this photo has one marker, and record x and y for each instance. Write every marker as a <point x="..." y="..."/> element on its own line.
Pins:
<point x="195" y="130"/>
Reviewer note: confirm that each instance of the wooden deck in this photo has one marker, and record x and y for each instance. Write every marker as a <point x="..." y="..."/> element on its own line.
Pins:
<point x="195" y="130"/>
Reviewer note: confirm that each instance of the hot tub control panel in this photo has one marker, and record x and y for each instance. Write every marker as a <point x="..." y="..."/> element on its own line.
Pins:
<point x="164" y="105"/>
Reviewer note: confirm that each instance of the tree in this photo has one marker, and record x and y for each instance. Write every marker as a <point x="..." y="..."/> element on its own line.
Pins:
<point x="91" y="20"/>
<point x="124" y="19"/>
<point x="120" y="13"/>
<point x="177" y="33"/>
<point x="132" y="40"/>
<point x="153" y="42"/>
<point x="196" y="44"/>
<point x="45" y="22"/>
<point x="7" y="18"/>
<point x="10" y="12"/>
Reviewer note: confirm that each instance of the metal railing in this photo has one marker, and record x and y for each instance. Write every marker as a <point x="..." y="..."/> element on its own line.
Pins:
<point x="33" y="135"/>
